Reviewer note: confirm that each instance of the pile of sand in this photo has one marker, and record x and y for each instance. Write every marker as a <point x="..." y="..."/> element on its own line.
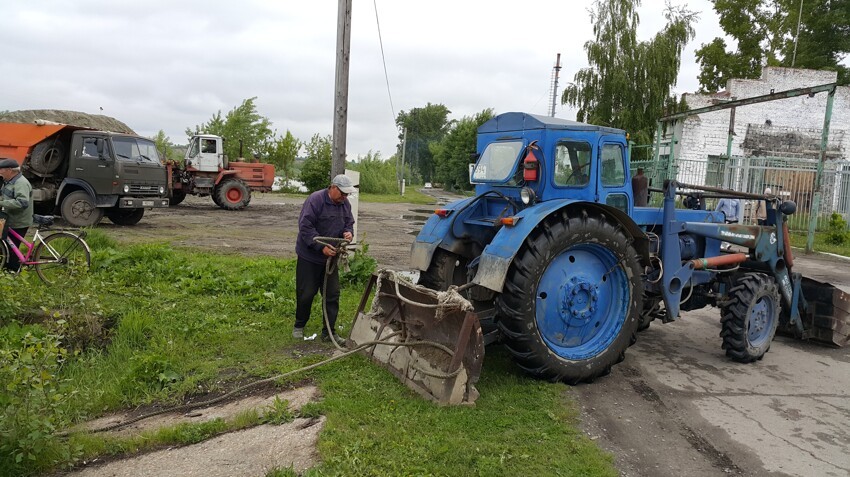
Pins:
<point x="74" y="118"/>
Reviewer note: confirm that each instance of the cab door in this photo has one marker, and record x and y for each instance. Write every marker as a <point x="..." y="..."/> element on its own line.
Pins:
<point x="612" y="187"/>
<point x="93" y="162"/>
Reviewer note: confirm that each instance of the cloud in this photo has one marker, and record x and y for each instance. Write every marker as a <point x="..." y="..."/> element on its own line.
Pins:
<point x="172" y="65"/>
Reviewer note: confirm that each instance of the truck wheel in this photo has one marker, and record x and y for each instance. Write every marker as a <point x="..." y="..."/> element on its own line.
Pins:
<point x="79" y="210"/>
<point x="750" y="316"/>
<point x="571" y="302"/>
<point x="177" y="196"/>
<point x="232" y="194"/>
<point x="446" y="269"/>
<point x="47" y="156"/>
<point x="125" y="216"/>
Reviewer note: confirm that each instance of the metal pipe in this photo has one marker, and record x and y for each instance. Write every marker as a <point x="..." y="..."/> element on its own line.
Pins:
<point x="718" y="261"/>
<point x="786" y="242"/>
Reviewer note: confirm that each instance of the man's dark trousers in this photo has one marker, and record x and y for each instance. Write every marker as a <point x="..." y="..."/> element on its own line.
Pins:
<point x="309" y="279"/>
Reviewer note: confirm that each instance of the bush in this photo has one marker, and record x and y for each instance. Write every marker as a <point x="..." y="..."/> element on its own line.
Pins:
<point x="837" y="230"/>
<point x="31" y="406"/>
<point x="376" y="176"/>
<point x="361" y="266"/>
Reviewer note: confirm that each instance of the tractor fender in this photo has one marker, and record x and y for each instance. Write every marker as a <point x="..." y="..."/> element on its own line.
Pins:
<point x="499" y="254"/>
<point x="225" y="174"/>
<point x="436" y="233"/>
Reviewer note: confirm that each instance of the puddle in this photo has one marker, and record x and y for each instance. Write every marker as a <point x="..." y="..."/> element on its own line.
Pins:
<point x="421" y="218"/>
<point x="413" y="275"/>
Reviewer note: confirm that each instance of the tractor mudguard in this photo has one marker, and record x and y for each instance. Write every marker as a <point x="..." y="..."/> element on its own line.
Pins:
<point x="436" y="233"/>
<point x="498" y="255"/>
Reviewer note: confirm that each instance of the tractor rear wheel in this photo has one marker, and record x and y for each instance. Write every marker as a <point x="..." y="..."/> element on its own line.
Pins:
<point x="446" y="269"/>
<point x="177" y="196"/>
<point x="232" y="194"/>
<point x="572" y="299"/>
<point x="749" y="317"/>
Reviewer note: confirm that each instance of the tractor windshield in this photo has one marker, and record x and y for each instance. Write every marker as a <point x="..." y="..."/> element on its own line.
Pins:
<point x="497" y="162"/>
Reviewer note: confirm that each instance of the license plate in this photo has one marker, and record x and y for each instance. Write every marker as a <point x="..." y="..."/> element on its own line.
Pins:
<point x="147" y="203"/>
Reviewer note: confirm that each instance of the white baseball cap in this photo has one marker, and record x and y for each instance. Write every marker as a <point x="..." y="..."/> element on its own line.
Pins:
<point x="343" y="183"/>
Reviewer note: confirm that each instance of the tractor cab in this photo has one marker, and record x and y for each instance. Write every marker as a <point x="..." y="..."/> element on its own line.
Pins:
<point x="533" y="159"/>
<point x="206" y="153"/>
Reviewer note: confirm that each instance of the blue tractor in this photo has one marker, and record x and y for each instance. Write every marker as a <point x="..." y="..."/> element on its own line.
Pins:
<point x="561" y="267"/>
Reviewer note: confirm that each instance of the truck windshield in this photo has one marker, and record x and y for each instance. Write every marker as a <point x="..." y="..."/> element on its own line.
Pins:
<point x="135" y="149"/>
<point x="497" y="162"/>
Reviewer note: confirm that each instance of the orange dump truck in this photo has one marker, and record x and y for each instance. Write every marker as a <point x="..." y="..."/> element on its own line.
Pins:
<point x="83" y="174"/>
<point x="207" y="172"/>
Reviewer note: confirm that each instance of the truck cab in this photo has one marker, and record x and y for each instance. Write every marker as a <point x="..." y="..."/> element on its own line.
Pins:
<point x="118" y="175"/>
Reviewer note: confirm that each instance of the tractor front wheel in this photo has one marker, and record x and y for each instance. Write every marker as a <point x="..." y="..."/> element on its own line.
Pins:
<point x="750" y="316"/>
<point x="446" y="269"/>
<point x="572" y="299"/>
<point x="232" y="194"/>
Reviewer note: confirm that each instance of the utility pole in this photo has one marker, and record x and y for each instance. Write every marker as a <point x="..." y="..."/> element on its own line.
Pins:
<point x="555" y="73"/>
<point x="343" y="48"/>
<point x="797" y="36"/>
<point x="403" y="150"/>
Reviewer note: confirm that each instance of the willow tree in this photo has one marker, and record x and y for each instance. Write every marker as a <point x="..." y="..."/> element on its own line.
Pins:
<point x="628" y="82"/>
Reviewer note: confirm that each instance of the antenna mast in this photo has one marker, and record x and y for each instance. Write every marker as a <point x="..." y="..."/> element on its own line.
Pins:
<point x="556" y="71"/>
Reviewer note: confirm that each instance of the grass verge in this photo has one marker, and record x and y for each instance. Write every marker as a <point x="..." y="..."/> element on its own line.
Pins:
<point x="156" y="325"/>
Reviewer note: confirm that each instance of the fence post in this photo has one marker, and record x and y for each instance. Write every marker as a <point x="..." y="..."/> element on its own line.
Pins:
<point x="824" y="140"/>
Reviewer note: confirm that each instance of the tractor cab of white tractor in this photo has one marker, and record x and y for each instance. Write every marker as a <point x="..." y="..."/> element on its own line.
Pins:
<point x="206" y="153"/>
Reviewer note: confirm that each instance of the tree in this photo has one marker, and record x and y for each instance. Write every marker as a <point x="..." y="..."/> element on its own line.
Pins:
<point x="452" y="154"/>
<point x="164" y="146"/>
<point x="377" y="176"/>
<point x="316" y="171"/>
<point x="628" y="82"/>
<point x="424" y="126"/>
<point x="241" y="123"/>
<point x="282" y="152"/>
<point x="764" y="32"/>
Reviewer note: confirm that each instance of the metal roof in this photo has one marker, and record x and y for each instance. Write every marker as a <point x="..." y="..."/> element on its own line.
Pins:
<point x="516" y="121"/>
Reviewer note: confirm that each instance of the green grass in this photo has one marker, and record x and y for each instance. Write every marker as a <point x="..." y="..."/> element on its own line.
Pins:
<point x="178" y="323"/>
<point x="411" y="196"/>
<point x="798" y="239"/>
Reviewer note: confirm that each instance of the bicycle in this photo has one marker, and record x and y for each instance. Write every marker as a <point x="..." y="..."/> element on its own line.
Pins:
<point x="55" y="257"/>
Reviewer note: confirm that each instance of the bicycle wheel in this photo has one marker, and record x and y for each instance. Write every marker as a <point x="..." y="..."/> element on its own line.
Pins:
<point x="60" y="257"/>
<point x="4" y="253"/>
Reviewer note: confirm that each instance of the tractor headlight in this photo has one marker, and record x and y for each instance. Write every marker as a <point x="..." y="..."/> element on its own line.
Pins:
<point x="126" y="189"/>
<point x="527" y="195"/>
<point x="161" y="190"/>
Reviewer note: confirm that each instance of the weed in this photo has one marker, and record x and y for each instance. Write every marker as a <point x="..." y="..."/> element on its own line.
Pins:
<point x="837" y="233"/>
<point x="31" y="404"/>
<point x="360" y="267"/>
<point x="278" y="412"/>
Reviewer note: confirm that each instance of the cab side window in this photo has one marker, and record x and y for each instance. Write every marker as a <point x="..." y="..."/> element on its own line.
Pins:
<point x="90" y="147"/>
<point x="613" y="169"/>
<point x="572" y="163"/>
<point x="208" y="146"/>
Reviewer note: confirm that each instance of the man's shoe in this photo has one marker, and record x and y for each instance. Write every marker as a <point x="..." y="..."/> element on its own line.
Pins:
<point x="339" y="339"/>
<point x="298" y="333"/>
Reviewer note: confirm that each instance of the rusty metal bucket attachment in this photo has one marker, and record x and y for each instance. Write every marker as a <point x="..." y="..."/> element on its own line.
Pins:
<point x="828" y="319"/>
<point x="430" y="340"/>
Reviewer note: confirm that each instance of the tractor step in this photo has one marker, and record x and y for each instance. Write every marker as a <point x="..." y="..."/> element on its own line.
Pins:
<point x="432" y="341"/>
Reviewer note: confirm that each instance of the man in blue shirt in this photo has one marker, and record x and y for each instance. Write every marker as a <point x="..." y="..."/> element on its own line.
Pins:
<point x="326" y="213"/>
<point x="731" y="208"/>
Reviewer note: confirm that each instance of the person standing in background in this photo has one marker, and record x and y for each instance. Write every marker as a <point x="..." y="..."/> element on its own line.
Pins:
<point x="731" y="208"/>
<point x="640" y="188"/>
<point x="761" y="208"/>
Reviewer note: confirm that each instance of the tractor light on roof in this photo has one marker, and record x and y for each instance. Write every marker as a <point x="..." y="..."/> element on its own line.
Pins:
<point x="527" y="195"/>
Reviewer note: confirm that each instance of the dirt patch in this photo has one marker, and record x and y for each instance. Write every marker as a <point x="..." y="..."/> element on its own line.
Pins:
<point x="253" y="451"/>
<point x="269" y="226"/>
<point x="261" y="402"/>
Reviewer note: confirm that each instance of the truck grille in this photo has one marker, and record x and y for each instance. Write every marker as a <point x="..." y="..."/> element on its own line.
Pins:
<point x="144" y="189"/>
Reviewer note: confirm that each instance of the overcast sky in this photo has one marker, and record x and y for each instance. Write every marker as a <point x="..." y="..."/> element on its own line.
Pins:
<point x="171" y="64"/>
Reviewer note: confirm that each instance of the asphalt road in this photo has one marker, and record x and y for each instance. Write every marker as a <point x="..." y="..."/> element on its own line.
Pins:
<point x="677" y="406"/>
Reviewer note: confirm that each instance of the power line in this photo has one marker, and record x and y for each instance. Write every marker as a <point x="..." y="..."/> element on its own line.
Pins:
<point x="383" y="58"/>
